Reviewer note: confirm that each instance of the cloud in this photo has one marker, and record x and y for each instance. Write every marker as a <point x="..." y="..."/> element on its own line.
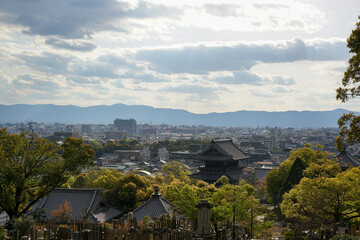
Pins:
<point x="82" y="46"/>
<point x="47" y="62"/>
<point x="202" y="59"/>
<point x="280" y="80"/>
<point x="30" y="86"/>
<point x="105" y="66"/>
<point x="261" y="94"/>
<point x="192" y="89"/>
<point x="251" y="78"/>
<point x="222" y="10"/>
<point x="144" y="77"/>
<point x="78" y="19"/>
<point x="243" y="77"/>
<point x="267" y="7"/>
<point x="95" y="69"/>
<point x="151" y="10"/>
<point x="82" y="80"/>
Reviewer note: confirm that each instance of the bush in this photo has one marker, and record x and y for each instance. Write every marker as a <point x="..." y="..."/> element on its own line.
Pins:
<point x="289" y="235"/>
<point x="344" y="237"/>
<point x="2" y="233"/>
<point x="23" y="225"/>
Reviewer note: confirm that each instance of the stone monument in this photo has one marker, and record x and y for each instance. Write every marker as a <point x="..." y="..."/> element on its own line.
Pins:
<point x="203" y="222"/>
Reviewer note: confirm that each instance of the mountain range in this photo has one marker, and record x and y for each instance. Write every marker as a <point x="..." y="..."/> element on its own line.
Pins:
<point x="102" y="114"/>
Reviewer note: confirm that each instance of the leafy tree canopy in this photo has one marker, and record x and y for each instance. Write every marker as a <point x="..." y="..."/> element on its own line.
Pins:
<point x="315" y="200"/>
<point x="31" y="167"/>
<point x="276" y="178"/>
<point x="350" y="123"/>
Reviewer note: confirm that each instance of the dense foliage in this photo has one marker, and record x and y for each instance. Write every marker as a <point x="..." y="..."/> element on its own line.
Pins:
<point x="282" y="179"/>
<point x="350" y="123"/>
<point x="31" y="167"/>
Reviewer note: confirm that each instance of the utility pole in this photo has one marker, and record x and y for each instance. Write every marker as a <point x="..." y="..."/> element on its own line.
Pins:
<point x="233" y="227"/>
<point x="251" y="224"/>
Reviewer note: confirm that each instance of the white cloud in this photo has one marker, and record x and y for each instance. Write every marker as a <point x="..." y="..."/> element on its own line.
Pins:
<point x="199" y="55"/>
<point x="203" y="58"/>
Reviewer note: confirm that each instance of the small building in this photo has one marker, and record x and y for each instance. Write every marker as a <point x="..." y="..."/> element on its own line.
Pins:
<point x="86" y="204"/>
<point x="128" y="155"/>
<point x="221" y="158"/>
<point x="154" y="207"/>
<point x="345" y="160"/>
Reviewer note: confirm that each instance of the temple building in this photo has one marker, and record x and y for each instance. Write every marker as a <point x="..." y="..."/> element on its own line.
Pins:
<point x="154" y="208"/>
<point x="221" y="158"/>
<point x="346" y="160"/>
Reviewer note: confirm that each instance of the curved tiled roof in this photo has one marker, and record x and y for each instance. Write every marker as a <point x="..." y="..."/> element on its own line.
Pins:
<point x="346" y="160"/>
<point x="84" y="203"/>
<point x="221" y="149"/>
<point x="154" y="207"/>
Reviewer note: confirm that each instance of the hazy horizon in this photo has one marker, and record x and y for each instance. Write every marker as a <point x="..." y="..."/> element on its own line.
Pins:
<point x="239" y="110"/>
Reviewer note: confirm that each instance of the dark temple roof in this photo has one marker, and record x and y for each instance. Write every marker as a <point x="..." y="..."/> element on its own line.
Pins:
<point x="346" y="160"/>
<point x="84" y="202"/>
<point x="221" y="150"/>
<point x="154" y="207"/>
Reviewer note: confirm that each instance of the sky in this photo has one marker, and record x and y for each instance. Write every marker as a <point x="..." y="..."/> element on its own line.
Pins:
<point x="202" y="56"/>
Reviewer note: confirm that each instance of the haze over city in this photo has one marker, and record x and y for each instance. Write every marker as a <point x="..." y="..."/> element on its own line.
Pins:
<point x="201" y="56"/>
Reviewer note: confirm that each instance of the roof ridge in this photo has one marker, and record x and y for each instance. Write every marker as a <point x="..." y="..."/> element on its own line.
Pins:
<point x="220" y="149"/>
<point x="142" y="205"/>
<point x="76" y="189"/>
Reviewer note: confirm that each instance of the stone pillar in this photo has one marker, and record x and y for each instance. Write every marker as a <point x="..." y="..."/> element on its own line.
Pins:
<point x="203" y="222"/>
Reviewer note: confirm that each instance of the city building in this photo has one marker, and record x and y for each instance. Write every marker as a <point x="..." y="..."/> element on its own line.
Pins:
<point x="128" y="125"/>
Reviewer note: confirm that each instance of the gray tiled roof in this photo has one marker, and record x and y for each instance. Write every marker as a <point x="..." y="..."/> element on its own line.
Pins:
<point x="154" y="207"/>
<point x="221" y="149"/>
<point x="83" y="203"/>
<point x="346" y="160"/>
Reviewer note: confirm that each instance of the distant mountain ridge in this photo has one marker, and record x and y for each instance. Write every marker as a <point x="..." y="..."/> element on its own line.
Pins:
<point x="102" y="114"/>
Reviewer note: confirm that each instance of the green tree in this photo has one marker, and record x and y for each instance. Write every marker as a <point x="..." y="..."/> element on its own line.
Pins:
<point x="186" y="201"/>
<point x="314" y="200"/>
<point x="350" y="123"/>
<point x="31" y="167"/>
<point x="276" y="178"/>
<point x="324" y="198"/>
<point x="328" y="168"/>
<point x="294" y="176"/>
<point x="175" y="168"/>
<point x="222" y="181"/>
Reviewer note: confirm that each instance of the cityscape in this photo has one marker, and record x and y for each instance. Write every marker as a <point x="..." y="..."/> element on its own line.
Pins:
<point x="179" y="120"/>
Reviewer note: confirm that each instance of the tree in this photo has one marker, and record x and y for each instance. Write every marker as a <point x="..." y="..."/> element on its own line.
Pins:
<point x="277" y="177"/>
<point x="294" y="176"/>
<point x="175" y="168"/>
<point x="31" y="167"/>
<point x="63" y="213"/>
<point x="350" y="123"/>
<point x="315" y="200"/>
